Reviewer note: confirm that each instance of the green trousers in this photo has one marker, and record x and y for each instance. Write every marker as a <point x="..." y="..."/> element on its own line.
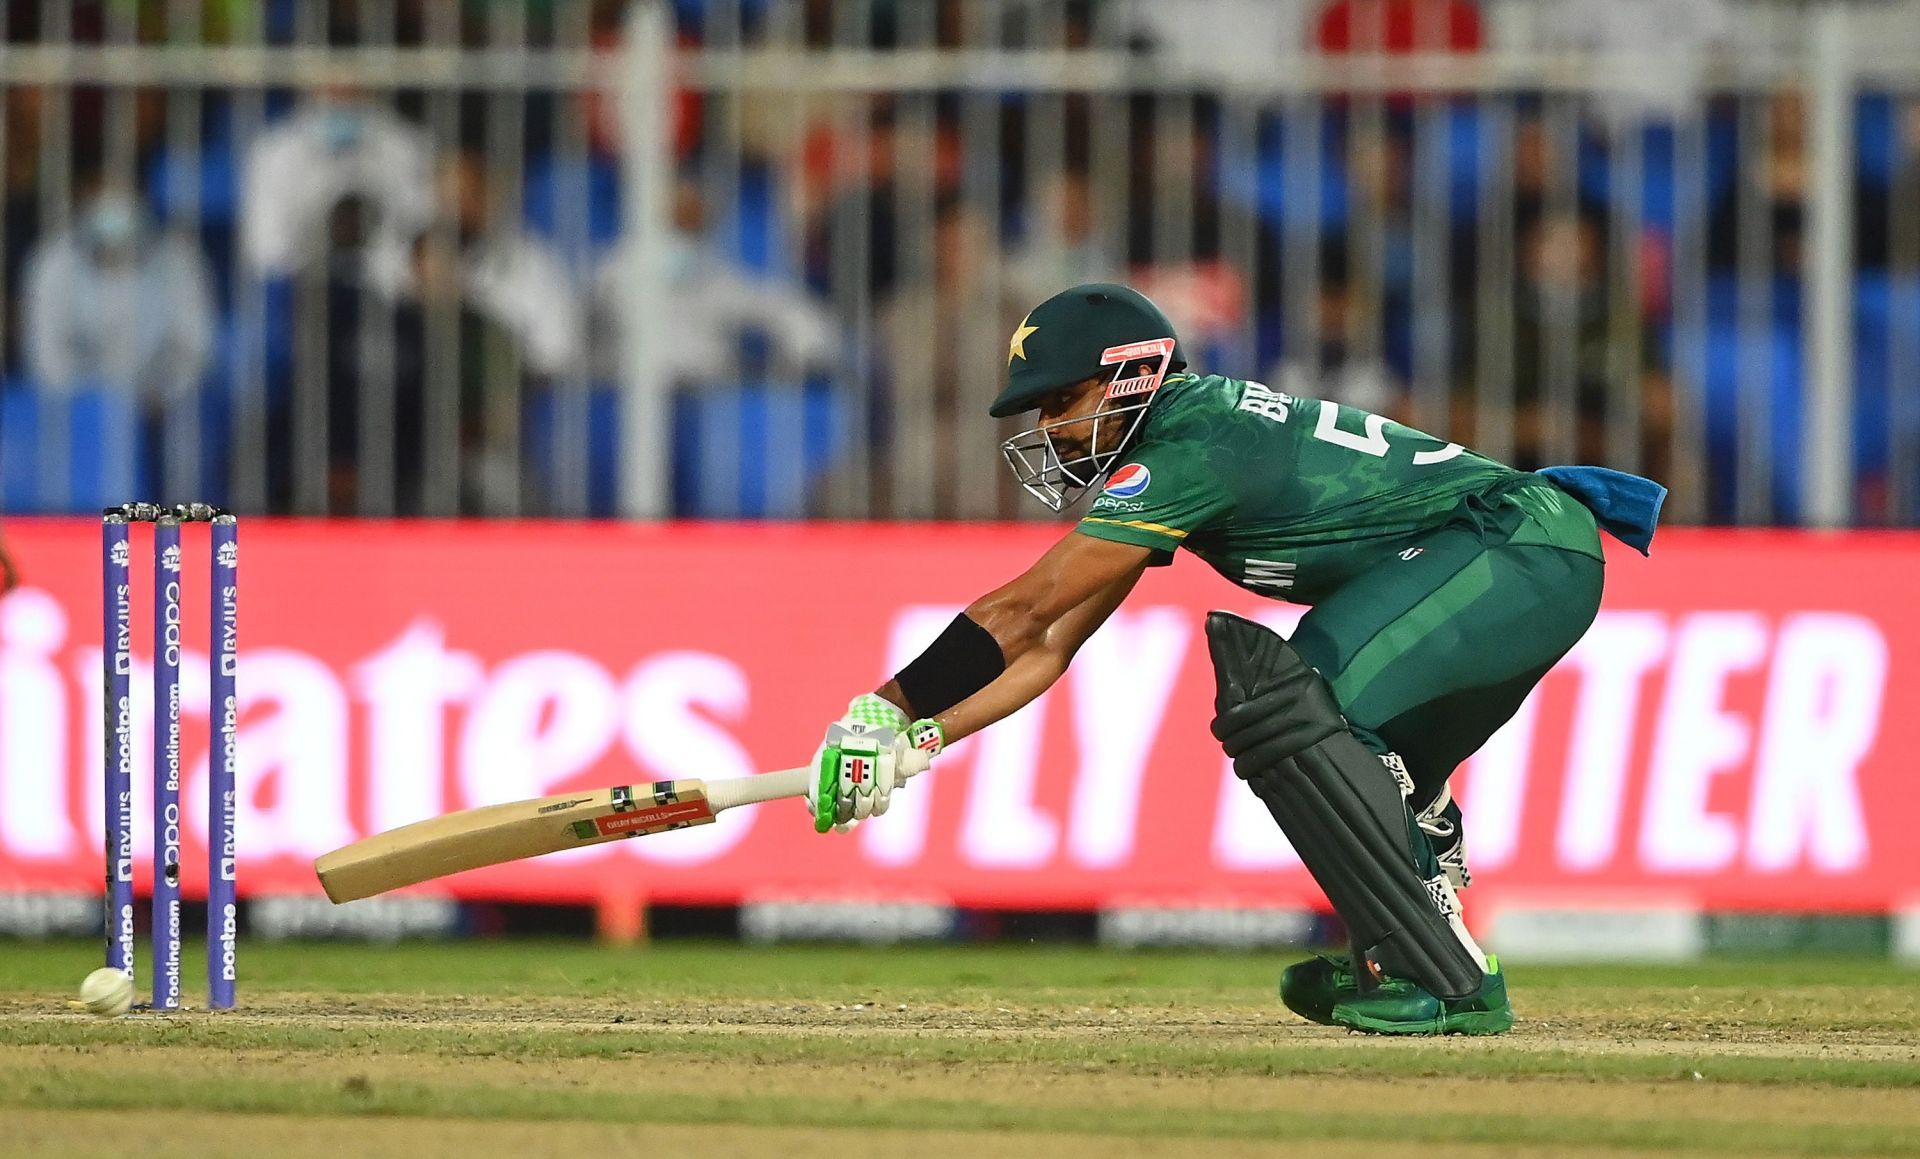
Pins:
<point x="1433" y="650"/>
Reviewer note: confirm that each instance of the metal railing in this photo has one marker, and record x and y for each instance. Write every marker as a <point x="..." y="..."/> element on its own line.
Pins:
<point x="762" y="258"/>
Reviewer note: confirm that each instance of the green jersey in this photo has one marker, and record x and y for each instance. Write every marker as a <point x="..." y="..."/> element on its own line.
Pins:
<point x="1287" y="497"/>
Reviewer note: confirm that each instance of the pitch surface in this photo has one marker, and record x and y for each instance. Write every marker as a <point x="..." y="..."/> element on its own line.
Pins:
<point x="546" y="1048"/>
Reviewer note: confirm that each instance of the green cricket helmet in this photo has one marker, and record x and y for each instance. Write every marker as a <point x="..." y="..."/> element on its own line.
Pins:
<point x="1101" y="328"/>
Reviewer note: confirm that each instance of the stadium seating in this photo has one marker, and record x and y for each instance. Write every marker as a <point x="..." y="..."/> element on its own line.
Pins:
<point x="755" y="449"/>
<point x="544" y="427"/>
<point x="757" y="232"/>
<point x="96" y="432"/>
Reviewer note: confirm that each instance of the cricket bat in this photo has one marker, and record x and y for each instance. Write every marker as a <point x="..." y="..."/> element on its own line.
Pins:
<point x="493" y="834"/>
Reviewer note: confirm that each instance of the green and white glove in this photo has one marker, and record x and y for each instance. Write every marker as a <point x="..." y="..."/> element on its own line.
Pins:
<point x="866" y="754"/>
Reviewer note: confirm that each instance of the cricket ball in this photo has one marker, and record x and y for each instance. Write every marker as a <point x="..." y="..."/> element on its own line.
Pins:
<point x="106" y="992"/>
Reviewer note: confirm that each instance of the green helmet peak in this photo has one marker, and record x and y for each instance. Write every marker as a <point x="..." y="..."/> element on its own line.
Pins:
<point x="1077" y="334"/>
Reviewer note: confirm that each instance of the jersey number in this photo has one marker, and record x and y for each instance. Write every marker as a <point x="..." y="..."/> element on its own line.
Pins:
<point x="1373" y="437"/>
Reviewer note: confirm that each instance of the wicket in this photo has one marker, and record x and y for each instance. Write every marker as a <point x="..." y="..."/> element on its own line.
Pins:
<point x="223" y="712"/>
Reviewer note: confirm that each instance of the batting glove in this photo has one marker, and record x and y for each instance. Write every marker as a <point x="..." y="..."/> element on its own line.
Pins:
<point x="866" y="754"/>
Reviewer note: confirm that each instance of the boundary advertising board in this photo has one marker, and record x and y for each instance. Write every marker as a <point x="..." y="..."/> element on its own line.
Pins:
<point x="1723" y="738"/>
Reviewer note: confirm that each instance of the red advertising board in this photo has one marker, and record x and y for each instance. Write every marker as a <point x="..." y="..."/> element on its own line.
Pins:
<point x="1726" y="736"/>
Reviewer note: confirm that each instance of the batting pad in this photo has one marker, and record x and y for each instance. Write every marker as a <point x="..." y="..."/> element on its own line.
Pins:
<point x="1336" y="803"/>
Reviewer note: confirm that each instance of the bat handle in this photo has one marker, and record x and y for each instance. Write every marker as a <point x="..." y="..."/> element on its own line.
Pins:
<point x="753" y="790"/>
<point x="768" y="787"/>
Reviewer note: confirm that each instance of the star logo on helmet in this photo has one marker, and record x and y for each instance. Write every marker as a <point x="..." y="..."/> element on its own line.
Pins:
<point x="1018" y="347"/>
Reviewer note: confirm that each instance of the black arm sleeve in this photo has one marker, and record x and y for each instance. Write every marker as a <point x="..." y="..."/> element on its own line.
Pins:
<point x="965" y="659"/>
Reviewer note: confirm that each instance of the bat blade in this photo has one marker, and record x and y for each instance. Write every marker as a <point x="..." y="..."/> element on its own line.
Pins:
<point x="492" y="834"/>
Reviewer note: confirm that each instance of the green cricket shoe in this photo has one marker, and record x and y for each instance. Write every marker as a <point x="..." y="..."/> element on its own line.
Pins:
<point x="1401" y="1006"/>
<point x="1314" y="987"/>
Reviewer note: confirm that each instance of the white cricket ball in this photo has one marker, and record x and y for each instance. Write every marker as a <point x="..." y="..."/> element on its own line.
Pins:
<point x="106" y="992"/>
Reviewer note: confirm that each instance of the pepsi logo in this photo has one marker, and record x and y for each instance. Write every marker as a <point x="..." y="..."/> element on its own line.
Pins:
<point x="1128" y="481"/>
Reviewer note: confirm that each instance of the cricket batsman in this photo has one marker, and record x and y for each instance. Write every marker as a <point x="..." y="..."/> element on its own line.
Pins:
<point x="1441" y="585"/>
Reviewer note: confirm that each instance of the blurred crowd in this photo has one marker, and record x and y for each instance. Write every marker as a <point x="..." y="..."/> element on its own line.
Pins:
<point x="862" y="257"/>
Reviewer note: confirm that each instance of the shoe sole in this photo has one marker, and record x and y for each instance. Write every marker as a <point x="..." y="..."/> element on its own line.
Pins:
<point x="1474" y="1022"/>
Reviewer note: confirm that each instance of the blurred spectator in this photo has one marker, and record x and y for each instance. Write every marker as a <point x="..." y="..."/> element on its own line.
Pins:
<point x="511" y="277"/>
<point x="112" y="301"/>
<point x="1380" y="165"/>
<point x="20" y="210"/>
<point x="1543" y="174"/>
<point x="1564" y="327"/>
<point x="1782" y="177"/>
<point x="1185" y="247"/>
<point x="440" y="292"/>
<point x="936" y="332"/>
<point x="373" y="355"/>
<point x="1535" y="160"/>
<point x="715" y="311"/>
<point x="853" y="200"/>
<point x="382" y="351"/>
<point x="338" y="145"/>
<point x="1059" y="248"/>
<point x="1380" y="161"/>
<point x="1333" y="369"/>
<point x="1903" y="240"/>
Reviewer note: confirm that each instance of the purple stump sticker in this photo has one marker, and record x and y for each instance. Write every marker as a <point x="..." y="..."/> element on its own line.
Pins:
<point x="166" y="763"/>
<point x="222" y="911"/>
<point x="116" y="585"/>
